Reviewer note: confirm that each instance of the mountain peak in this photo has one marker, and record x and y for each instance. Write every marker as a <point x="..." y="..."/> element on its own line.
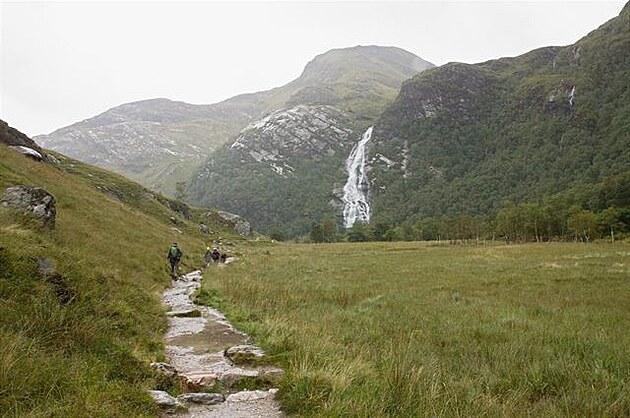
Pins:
<point x="342" y="64"/>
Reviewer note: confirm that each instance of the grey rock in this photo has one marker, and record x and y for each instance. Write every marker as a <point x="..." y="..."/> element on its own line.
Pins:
<point x="271" y="374"/>
<point x="244" y="353"/>
<point x="201" y="398"/>
<point x="188" y="313"/>
<point x="231" y="377"/>
<point x="241" y="226"/>
<point x="251" y="395"/>
<point x="199" y="380"/>
<point x="33" y="200"/>
<point x="45" y="266"/>
<point x="204" y="229"/>
<point x="165" y="401"/>
<point x="164" y="368"/>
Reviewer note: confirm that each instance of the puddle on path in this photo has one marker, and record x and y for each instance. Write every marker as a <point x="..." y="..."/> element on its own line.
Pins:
<point x="214" y="337"/>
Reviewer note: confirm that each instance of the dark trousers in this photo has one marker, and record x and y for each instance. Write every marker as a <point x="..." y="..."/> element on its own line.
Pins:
<point x="174" y="265"/>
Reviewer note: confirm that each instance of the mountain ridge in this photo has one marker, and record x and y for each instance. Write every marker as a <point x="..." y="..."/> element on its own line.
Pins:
<point x="160" y="142"/>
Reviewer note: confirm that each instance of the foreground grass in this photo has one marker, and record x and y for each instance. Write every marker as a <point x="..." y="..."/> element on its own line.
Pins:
<point x="409" y="329"/>
<point x="77" y="341"/>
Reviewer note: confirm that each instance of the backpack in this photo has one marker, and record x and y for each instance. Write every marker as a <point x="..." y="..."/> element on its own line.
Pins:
<point x="174" y="252"/>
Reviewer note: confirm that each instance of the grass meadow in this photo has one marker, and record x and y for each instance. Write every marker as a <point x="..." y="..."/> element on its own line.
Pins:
<point x="420" y="329"/>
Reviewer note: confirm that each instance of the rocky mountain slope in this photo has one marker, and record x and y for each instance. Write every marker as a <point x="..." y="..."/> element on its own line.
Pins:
<point x="280" y="171"/>
<point x="157" y="142"/>
<point x="465" y="138"/>
<point x="160" y="142"/>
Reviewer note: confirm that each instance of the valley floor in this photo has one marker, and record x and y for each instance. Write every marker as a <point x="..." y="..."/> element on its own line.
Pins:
<point x="426" y="329"/>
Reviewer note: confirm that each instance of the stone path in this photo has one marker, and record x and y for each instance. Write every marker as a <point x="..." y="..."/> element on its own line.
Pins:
<point x="211" y="358"/>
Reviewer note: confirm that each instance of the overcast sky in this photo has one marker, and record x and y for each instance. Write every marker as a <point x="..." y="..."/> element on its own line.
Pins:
<point x="62" y="62"/>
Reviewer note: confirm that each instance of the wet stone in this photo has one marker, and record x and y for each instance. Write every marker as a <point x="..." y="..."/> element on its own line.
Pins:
<point x="201" y="398"/>
<point x="165" y="401"/>
<point x="234" y="375"/>
<point x="244" y="353"/>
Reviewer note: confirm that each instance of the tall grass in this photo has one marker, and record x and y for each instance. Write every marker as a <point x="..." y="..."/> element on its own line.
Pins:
<point x="78" y="340"/>
<point x="409" y="329"/>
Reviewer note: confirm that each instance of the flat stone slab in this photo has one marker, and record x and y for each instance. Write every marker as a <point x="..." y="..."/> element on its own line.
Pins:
<point x="201" y="398"/>
<point x="234" y="375"/>
<point x="187" y="313"/>
<point x="251" y="395"/>
<point x="199" y="380"/>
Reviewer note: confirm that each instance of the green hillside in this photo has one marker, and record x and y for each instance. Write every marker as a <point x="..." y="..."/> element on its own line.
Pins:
<point x="552" y="124"/>
<point x="81" y="315"/>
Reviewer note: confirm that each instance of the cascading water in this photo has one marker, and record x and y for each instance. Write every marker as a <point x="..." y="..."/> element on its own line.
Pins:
<point x="356" y="207"/>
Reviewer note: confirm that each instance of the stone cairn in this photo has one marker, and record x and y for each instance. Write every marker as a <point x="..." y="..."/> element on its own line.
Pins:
<point x="211" y="358"/>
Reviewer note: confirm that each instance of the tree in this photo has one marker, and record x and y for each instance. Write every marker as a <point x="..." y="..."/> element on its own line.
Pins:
<point x="583" y="223"/>
<point x="378" y="230"/>
<point x="358" y="232"/>
<point x="329" y="230"/>
<point x="317" y="233"/>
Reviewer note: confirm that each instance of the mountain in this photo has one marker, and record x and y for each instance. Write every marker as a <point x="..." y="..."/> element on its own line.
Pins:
<point x="157" y="142"/>
<point x="280" y="170"/>
<point x="160" y="142"/>
<point x="467" y="138"/>
<point x="81" y="308"/>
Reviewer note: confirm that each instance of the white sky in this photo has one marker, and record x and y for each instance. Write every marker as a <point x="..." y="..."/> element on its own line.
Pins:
<point x="62" y="62"/>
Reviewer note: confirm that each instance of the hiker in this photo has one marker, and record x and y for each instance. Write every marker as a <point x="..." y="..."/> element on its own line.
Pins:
<point x="174" y="255"/>
<point x="216" y="255"/>
<point x="223" y="257"/>
<point x="207" y="257"/>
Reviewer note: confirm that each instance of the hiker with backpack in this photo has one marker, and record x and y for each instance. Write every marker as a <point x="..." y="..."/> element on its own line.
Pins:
<point x="207" y="257"/>
<point x="174" y="255"/>
<point x="216" y="255"/>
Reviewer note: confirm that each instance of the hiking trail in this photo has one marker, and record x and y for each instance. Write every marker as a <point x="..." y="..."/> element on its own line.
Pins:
<point x="212" y="359"/>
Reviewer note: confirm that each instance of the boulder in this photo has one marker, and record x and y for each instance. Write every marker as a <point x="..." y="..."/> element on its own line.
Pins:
<point x="32" y="200"/>
<point x="204" y="229"/>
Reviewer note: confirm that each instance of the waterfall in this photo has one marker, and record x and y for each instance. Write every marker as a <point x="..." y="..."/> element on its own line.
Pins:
<point x="572" y="97"/>
<point x="355" y="201"/>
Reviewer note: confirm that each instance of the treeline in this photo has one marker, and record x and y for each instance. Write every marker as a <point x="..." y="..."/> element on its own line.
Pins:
<point x="513" y="223"/>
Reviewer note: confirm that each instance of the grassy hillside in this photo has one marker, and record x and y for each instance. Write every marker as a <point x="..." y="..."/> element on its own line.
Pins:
<point x="411" y="329"/>
<point x="78" y="340"/>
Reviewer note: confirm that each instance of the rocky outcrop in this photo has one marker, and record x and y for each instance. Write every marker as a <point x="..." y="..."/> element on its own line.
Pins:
<point x="154" y="142"/>
<point x="240" y="225"/>
<point x="31" y="200"/>
<point x="310" y="132"/>
<point x="20" y="142"/>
